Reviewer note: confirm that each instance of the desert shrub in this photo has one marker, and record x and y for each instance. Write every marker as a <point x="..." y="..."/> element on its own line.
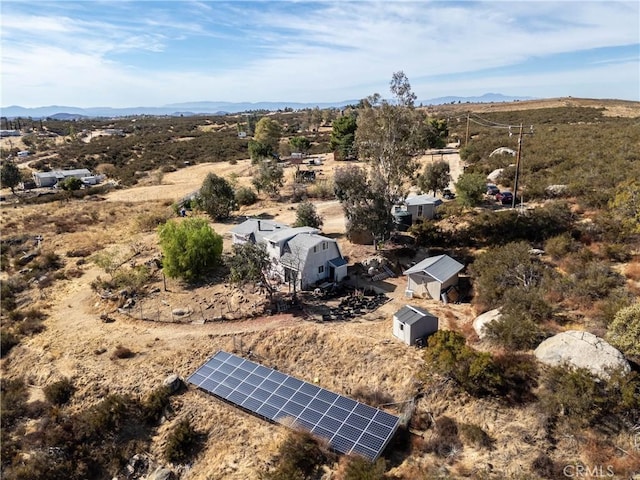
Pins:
<point x="503" y="269"/>
<point x="446" y="440"/>
<point x="593" y="279"/>
<point x="545" y="467"/>
<point x="573" y="394"/>
<point x="617" y="252"/>
<point x="8" y="340"/>
<point x="148" y="222"/>
<point x="624" y="331"/>
<point x="322" y="189"/>
<point x="133" y="279"/>
<point x="513" y="332"/>
<point x="155" y="404"/>
<point x="182" y="442"/>
<point x="448" y="355"/>
<point x="122" y="352"/>
<point x="475" y="435"/>
<point x="60" y="392"/>
<point x="607" y="308"/>
<point x="359" y="468"/>
<point x="518" y="377"/>
<point x="428" y="234"/>
<point x="245" y="196"/>
<point x="374" y="397"/>
<point x="30" y="326"/>
<point x="560" y="245"/>
<point x="299" y="457"/>
<point x="13" y="401"/>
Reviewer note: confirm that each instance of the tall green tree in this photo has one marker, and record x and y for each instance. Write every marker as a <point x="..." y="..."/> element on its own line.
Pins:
<point x="387" y="137"/>
<point x="269" y="177"/>
<point x="300" y="144"/>
<point x="250" y="264"/>
<point x="307" y="216"/>
<point x="259" y="151"/>
<point x="190" y="249"/>
<point x="343" y="136"/>
<point x="216" y="197"/>
<point x="470" y="189"/>
<point x="435" y="177"/>
<point x="10" y="176"/>
<point x="363" y="202"/>
<point x="268" y="132"/>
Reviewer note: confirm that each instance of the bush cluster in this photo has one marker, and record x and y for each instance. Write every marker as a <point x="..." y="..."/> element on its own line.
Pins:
<point x="509" y="377"/>
<point x="299" y="457"/>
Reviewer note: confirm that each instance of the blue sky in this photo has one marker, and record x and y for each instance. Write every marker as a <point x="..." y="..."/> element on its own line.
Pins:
<point x="145" y="53"/>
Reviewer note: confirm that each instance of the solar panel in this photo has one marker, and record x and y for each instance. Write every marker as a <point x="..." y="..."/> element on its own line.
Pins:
<point x="348" y="426"/>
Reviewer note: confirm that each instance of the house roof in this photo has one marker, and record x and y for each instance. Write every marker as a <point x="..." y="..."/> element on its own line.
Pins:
<point x="63" y="173"/>
<point x="299" y="246"/>
<point x="338" y="262"/>
<point x="441" y="267"/>
<point x="423" y="200"/>
<point x="409" y="314"/>
<point x="286" y="233"/>
<point x="252" y="225"/>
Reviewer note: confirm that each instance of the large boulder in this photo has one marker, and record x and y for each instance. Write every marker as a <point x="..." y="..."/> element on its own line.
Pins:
<point x="482" y="320"/>
<point x="581" y="350"/>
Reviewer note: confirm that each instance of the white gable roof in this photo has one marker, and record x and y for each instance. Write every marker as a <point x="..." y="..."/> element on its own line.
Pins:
<point x="441" y="267"/>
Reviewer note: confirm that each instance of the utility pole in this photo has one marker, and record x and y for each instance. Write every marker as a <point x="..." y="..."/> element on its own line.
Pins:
<point x="518" y="155"/>
<point x="466" y="139"/>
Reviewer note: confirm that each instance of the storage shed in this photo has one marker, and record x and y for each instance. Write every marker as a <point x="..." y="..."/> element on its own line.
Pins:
<point x="412" y="323"/>
<point x="432" y="276"/>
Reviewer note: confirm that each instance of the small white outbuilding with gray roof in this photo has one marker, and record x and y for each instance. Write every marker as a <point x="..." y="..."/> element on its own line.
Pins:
<point x="411" y="323"/>
<point x="432" y="276"/>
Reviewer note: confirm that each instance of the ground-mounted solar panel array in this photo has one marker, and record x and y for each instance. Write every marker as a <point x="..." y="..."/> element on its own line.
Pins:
<point x="350" y="427"/>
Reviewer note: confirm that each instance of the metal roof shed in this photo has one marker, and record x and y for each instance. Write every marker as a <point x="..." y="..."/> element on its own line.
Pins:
<point x="431" y="276"/>
<point x="411" y="323"/>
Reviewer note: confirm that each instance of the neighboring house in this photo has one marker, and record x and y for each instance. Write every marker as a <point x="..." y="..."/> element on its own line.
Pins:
<point x="422" y="207"/>
<point x="49" y="179"/>
<point x="432" y="276"/>
<point x="412" y="323"/>
<point x="299" y="254"/>
<point x="10" y="133"/>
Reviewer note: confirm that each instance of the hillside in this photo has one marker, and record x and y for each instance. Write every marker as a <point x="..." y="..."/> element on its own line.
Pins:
<point x="516" y="419"/>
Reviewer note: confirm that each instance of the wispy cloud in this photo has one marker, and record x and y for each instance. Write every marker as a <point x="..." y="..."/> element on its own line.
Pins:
<point x="135" y="53"/>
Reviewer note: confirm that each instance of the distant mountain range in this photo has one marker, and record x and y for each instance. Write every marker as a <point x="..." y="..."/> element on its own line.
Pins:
<point x="214" y="108"/>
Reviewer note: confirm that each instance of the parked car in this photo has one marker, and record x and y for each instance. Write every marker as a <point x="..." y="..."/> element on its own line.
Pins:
<point x="448" y="194"/>
<point x="492" y="190"/>
<point x="506" y="198"/>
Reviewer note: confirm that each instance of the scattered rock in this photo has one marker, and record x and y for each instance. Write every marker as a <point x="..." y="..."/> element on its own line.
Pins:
<point x="180" y="312"/>
<point x="129" y="304"/>
<point x="26" y="258"/>
<point x="581" y="350"/>
<point x="106" y="318"/>
<point x="482" y="320"/>
<point x="161" y="473"/>
<point x="173" y="381"/>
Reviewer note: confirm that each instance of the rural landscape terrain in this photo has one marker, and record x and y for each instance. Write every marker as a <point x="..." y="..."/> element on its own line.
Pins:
<point x="97" y="316"/>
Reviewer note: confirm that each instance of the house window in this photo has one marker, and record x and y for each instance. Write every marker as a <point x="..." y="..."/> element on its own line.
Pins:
<point x="315" y="249"/>
<point x="325" y="245"/>
<point x="402" y="326"/>
<point x="419" y="210"/>
<point x="321" y="269"/>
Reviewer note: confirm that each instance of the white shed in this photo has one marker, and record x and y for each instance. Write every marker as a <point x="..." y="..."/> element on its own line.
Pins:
<point x="422" y="206"/>
<point x="432" y="276"/>
<point x="411" y="323"/>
